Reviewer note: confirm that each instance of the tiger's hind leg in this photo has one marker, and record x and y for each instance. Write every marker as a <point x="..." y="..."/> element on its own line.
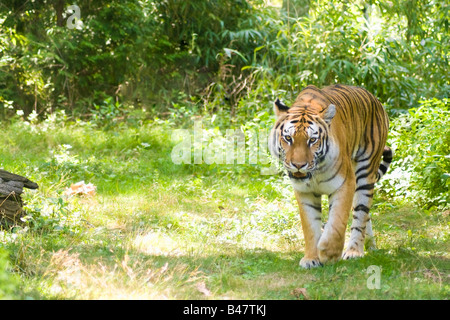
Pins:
<point x="361" y="230"/>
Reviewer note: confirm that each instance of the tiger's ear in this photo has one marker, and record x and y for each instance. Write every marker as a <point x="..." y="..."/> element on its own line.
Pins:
<point x="279" y="108"/>
<point x="328" y="113"/>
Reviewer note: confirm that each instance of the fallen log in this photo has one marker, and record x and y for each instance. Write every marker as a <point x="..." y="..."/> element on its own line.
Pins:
<point x="11" y="204"/>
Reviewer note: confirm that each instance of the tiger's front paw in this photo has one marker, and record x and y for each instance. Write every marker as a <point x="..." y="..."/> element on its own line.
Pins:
<point x="353" y="253"/>
<point x="329" y="252"/>
<point x="309" y="263"/>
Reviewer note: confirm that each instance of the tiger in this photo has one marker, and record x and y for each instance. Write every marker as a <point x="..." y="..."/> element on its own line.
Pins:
<point x="332" y="141"/>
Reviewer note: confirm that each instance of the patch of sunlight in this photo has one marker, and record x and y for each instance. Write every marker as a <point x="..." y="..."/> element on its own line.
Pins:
<point x="67" y="269"/>
<point x="156" y="243"/>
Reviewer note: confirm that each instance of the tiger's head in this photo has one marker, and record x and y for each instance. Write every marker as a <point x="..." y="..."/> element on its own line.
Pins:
<point x="300" y="137"/>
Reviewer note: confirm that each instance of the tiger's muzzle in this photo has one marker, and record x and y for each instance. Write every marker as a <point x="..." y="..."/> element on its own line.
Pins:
<point x="298" y="171"/>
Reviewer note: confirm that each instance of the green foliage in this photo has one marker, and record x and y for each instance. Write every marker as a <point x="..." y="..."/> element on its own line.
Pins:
<point x="421" y="142"/>
<point x="139" y="51"/>
<point x="368" y="45"/>
<point x="108" y="113"/>
<point x="53" y="214"/>
<point x="239" y="55"/>
<point x="200" y="29"/>
<point x="8" y="281"/>
<point x="340" y="43"/>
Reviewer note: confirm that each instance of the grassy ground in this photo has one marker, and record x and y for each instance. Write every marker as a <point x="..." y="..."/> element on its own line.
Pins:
<point x="156" y="230"/>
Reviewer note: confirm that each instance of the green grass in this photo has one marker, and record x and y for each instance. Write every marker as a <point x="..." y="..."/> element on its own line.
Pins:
<point x="156" y="230"/>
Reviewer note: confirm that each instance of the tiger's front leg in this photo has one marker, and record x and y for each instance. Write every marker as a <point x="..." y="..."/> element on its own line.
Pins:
<point x="311" y="217"/>
<point x="331" y="243"/>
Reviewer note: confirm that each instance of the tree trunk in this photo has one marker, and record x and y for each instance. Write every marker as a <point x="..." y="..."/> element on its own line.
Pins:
<point x="59" y="9"/>
<point x="11" y="187"/>
<point x="11" y="210"/>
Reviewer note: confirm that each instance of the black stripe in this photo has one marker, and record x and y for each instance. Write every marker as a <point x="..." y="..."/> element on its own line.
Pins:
<point x="314" y="88"/>
<point x="357" y="229"/>
<point x="365" y="159"/>
<point x="365" y="175"/>
<point x="317" y="208"/>
<point x="366" y="187"/>
<point x="361" y="207"/>
<point x="362" y="168"/>
<point x="383" y="168"/>
<point x="387" y="159"/>
<point x="387" y="152"/>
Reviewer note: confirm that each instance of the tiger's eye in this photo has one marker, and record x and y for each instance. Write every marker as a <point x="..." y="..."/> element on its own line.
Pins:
<point x="288" y="138"/>
<point x="312" y="140"/>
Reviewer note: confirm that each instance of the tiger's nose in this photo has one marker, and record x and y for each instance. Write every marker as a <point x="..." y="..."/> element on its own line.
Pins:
<point x="299" y="165"/>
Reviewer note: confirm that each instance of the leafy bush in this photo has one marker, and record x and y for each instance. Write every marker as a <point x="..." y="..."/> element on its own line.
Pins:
<point x="138" y="50"/>
<point x="231" y="55"/>
<point x="53" y="214"/>
<point x="340" y="43"/>
<point x="421" y="169"/>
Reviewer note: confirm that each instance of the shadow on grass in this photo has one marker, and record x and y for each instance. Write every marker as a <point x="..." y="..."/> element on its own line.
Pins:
<point x="237" y="273"/>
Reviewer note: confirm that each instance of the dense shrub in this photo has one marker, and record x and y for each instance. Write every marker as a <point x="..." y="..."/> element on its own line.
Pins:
<point x="139" y="51"/>
<point x="145" y="53"/>
<point x="421" y="169"/>
<point x="340" y="43"/>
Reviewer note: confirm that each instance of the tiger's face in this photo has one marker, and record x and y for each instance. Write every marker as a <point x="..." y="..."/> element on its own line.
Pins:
<point x="300" y="138"/>
<point x="301" y="148"/>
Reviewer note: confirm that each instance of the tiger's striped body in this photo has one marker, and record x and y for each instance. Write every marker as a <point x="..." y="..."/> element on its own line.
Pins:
<point x="331" y="142"/>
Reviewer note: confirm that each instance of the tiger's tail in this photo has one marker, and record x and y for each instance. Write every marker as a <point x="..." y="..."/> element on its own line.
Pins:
<point x="386" y="161"/>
